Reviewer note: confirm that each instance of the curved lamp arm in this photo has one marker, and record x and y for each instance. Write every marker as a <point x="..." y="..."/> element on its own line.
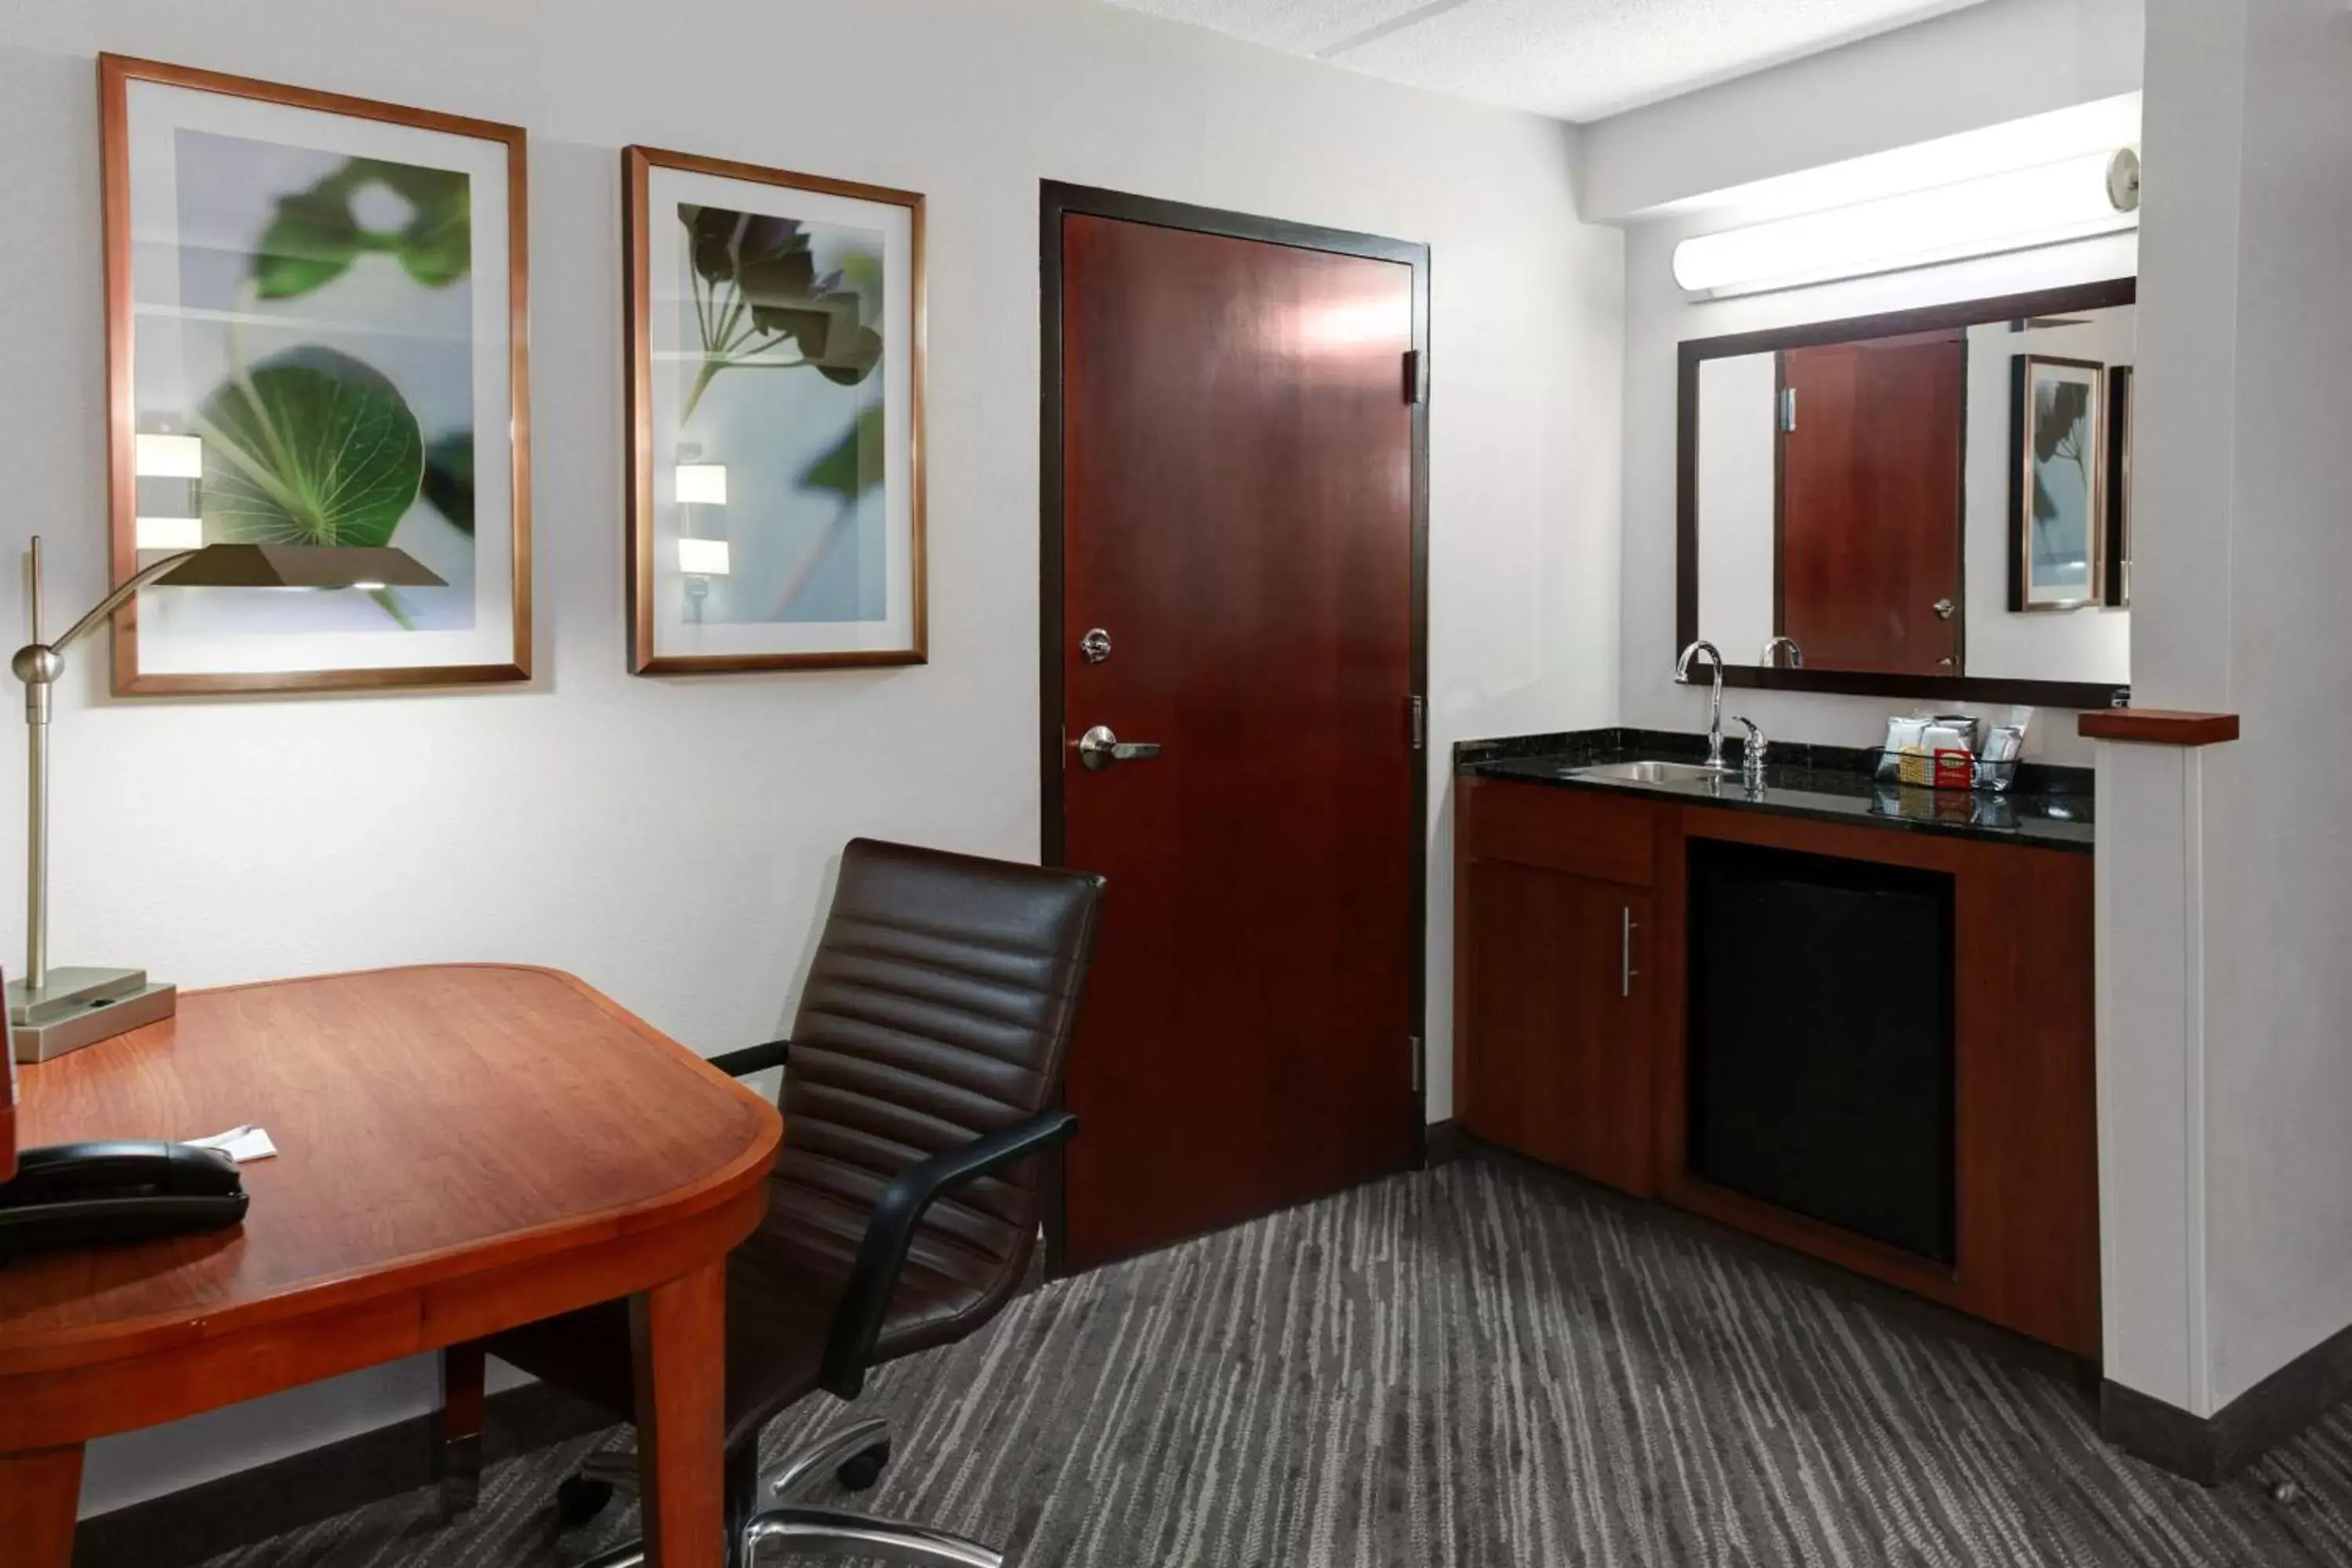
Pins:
<point x="114" y="601"/>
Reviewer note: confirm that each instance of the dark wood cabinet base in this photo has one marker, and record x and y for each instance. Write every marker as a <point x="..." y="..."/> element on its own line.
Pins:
<point x="1571" y="1032"/>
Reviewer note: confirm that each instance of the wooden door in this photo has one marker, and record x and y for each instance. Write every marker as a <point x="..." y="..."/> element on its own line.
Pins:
<point x="1870" y="503"/>
<point x="1555" y="972"/>
<point x="1237" y="468"/>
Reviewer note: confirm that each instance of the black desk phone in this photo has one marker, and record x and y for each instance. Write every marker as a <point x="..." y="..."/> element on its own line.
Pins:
<point x="86" y="1194"/>
<point x="89" y="1194"/>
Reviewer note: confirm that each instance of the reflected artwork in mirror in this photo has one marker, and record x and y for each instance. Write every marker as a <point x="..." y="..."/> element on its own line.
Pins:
<point x="1929" y="503"/>
<point x="2057" y="413"/>
<point x="2122" y="383"/>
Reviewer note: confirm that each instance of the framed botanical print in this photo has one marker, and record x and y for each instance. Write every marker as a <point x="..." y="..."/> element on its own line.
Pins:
<point x="775" y="332"/>
<point x="315" y="335"/>
<point x="2121" y="408"/>
<point x="2058" y="461"/>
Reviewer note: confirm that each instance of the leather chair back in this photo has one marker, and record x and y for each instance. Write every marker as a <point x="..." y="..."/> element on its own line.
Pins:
<point x="939" y="1009"/>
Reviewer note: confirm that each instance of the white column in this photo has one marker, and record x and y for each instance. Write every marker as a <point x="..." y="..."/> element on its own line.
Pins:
<point x="2152" y="1072"/>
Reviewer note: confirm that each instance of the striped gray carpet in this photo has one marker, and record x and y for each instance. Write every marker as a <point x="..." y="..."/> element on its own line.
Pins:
<point x="1475" y="1366"/>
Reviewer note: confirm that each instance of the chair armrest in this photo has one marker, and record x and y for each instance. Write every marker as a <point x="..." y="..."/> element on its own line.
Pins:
<point x="752" y="1058"/>
<point x="858" y="1322"/>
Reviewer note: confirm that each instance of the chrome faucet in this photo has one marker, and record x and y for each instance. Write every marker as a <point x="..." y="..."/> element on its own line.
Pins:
<point x="1714" y="712"/>
<point x="1752" y="756"/>
<point x="1772" y="652"/>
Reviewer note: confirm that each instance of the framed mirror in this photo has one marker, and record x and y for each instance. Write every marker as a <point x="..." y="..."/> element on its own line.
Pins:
<point x="1933" y="503"/>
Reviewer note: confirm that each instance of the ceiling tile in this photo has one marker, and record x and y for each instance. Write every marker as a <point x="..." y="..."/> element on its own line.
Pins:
<point x="1296" y="26"/>
<point x="1577" y="59"/>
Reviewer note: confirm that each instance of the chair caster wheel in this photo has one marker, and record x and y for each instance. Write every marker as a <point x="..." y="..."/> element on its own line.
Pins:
<point x="863" y="1469"/>
<point x="580" y="1499"/>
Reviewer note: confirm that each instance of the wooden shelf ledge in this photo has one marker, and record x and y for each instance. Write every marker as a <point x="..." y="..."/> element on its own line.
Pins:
<point x="2157" y="726"/>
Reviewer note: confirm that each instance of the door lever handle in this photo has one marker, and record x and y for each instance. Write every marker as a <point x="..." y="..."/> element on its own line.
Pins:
<point x="1099" y="748"/>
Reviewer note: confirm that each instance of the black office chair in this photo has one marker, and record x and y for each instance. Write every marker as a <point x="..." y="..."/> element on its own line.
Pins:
<point x="921" y="1074"/>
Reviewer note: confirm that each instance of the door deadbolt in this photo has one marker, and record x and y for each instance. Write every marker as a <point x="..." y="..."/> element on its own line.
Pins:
<point x="1095" y="646"/>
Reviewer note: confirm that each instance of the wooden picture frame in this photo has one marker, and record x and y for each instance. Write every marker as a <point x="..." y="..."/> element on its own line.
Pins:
<point x="2040" y="581"/>
<point x="402" y="207"/>
<point x="793" y="272"/>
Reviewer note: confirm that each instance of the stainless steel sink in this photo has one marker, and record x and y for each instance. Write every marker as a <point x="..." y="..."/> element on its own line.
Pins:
<point x="1647" y="771"/>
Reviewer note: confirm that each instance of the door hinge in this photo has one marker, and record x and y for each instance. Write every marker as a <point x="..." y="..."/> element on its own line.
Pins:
<point x="1417" y="722"/>
<point x="1420" y="1065"/>
<point x="1789" y="409"/>
<point x="1412" y="375"/>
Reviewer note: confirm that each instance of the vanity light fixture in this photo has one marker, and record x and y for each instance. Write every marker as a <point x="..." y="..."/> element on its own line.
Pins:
<point x="171" y="533"/>
<point x="170" y="458"/>
<point x="164" y="456"/>
<point x="2074" y="198"/>
<point x="702" y="484"/>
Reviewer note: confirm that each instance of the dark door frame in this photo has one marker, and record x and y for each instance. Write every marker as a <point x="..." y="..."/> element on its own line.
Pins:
<point x="1056" y="202"/>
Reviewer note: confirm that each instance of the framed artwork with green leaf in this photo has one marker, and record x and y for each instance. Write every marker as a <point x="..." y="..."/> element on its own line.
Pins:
<point x="315" y="335"/>
<point x="775" y="330"/>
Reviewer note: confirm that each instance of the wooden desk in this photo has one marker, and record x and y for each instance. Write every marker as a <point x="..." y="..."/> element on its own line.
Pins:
<point x="461" y="1150"/>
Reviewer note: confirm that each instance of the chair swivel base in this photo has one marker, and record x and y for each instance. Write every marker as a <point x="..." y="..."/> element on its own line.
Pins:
<point x="853" y="1455"/>
<point x="827" y="1533"/>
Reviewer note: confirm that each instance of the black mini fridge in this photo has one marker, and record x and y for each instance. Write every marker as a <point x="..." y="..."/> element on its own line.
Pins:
<point x="1821" y="1039"/>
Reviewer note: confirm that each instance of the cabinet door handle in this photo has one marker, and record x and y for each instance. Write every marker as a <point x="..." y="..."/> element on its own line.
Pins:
<point x="1626" y="969"/>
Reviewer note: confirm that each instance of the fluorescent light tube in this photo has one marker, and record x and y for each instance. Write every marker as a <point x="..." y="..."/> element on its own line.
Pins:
<point x="170" y="458"/>
<point x="2075" y="198"/>
<point x="170" y="533"/>
<point x="702" y="484"/>
<point x="702" y="557"/>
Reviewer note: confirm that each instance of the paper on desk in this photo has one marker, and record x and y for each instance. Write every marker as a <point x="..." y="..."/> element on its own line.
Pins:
<point x="242" y="1144"/>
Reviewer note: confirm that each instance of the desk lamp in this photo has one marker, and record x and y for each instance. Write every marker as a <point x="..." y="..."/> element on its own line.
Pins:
<point x="53" y="1011"/>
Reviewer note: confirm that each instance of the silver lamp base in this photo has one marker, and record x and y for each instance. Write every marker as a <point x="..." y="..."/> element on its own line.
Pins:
<point x="80" y="1008"/>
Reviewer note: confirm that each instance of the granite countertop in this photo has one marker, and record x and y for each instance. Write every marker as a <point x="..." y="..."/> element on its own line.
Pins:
<point x="2049" y="807"/>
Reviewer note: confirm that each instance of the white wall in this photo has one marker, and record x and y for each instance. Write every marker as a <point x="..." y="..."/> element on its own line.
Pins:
<point x="1658" y="317"/>
<point x="2224" y="1052"/>
<point x="669" y="840"/>
<point x="1672" y="170"/>
<point x="1689" y="165"/>
<point x="2092" y="642"/>
<point x="1986" y="64"/>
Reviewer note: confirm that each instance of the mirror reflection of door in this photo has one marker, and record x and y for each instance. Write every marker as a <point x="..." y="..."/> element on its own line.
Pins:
<point x="1869" y="507"/>
<point x="1897" y="496"/>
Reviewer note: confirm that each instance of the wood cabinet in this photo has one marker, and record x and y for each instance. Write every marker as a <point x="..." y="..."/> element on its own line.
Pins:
<point x="1571" y="954"/>
<point x="1556" y="974"/>
<point x="1554" y="979"/>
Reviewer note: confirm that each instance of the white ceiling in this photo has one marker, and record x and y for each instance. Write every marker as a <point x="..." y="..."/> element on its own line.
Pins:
<point x="1577" y="59"/>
